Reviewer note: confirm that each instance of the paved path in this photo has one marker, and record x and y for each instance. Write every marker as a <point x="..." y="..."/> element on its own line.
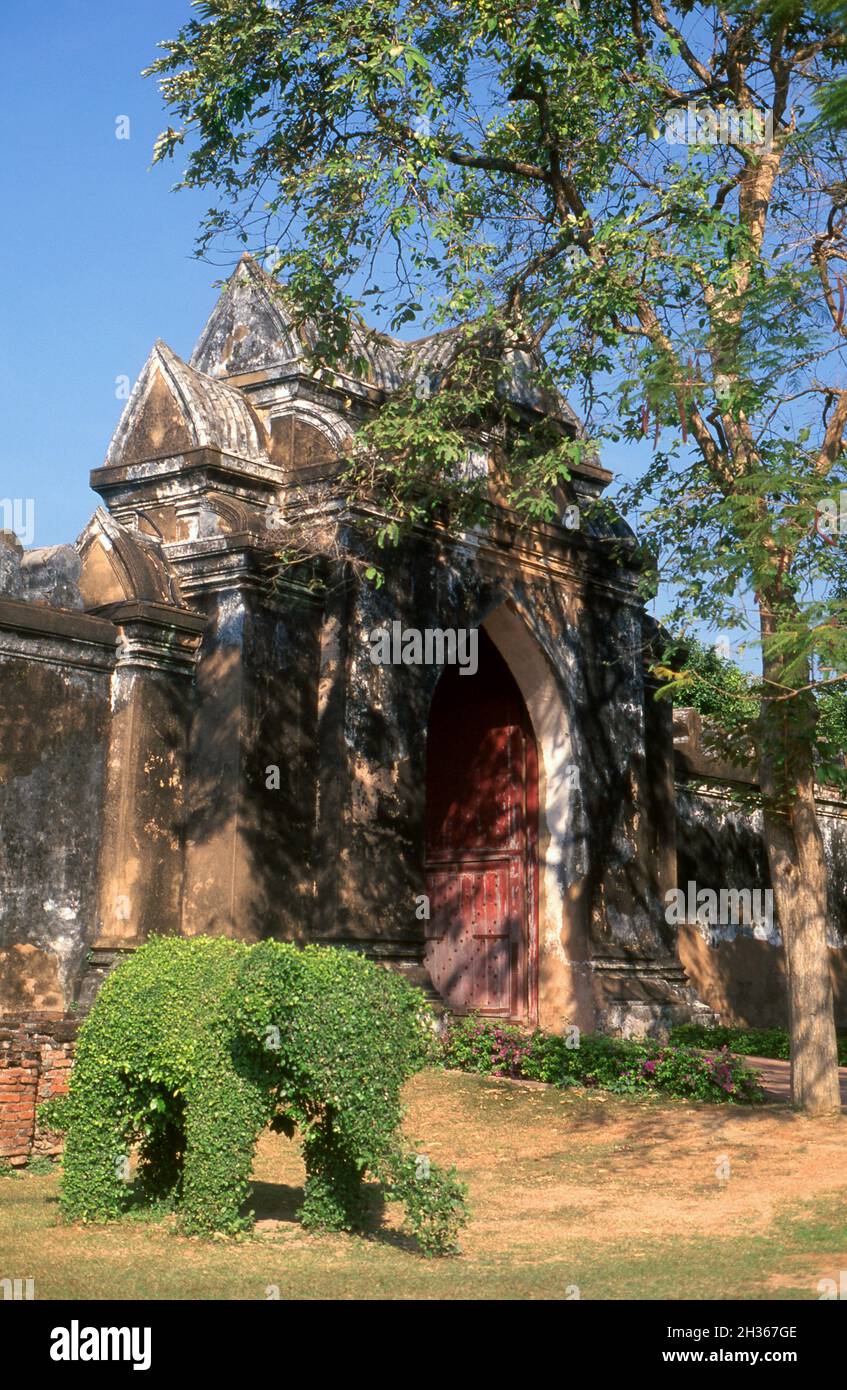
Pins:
<point x="776" y="1078"/>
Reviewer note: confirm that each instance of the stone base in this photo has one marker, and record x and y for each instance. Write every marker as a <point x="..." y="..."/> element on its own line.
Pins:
<point x="101" y="962"/>
<point x="638" y="997"/>
<point x="638" y="1021"/>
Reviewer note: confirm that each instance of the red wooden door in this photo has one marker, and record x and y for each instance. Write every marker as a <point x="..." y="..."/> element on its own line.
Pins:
<point x="481" y="841"/>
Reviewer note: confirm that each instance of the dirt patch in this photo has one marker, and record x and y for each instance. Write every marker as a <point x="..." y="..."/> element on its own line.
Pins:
<point x="622" y="1167"/>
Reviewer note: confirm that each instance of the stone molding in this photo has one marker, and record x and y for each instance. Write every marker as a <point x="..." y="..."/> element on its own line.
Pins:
<point x="64" y="637"/>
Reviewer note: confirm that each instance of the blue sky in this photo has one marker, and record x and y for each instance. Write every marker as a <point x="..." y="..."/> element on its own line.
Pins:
<point x="96" y="249"/>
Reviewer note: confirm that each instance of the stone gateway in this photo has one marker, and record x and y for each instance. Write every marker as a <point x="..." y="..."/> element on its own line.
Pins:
<point x="197" y="739"/>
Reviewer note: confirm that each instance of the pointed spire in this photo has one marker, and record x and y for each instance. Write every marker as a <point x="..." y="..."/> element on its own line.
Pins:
<point x="174" y="409"/>
<point x="248" y="329"/>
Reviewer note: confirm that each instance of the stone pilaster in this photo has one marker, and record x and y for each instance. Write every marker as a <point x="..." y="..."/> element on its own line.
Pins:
<point x="141" y="852"/>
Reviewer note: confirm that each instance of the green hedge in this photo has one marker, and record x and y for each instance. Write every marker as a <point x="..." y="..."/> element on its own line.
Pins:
<point x="747" y="1042"/>
<point x="615" y="1064"/>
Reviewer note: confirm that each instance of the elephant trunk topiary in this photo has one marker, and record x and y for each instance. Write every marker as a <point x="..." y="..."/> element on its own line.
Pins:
<point x="194" y="1046"/>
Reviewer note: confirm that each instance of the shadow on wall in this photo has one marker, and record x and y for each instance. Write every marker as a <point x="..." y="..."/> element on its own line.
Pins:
<point x="719" y="845"/>
<point x="744" y="980"/>
<point x="29" y="980"/>
<point x="251" y="807"/>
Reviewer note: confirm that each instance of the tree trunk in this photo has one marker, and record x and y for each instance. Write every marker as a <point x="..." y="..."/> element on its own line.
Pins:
<point x="798" y="874"/>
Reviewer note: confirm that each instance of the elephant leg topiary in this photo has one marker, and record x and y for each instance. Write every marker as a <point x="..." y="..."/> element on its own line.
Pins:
<point x="334" y="1196"/>
<point x="94" y="1169"/>
<point x="160" y="1163"/>
<point x="223" y="1122"/>
<point x="194" y="1046"/>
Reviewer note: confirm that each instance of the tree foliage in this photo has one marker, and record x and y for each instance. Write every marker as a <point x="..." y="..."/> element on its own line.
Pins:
<point x="730" y="700"/>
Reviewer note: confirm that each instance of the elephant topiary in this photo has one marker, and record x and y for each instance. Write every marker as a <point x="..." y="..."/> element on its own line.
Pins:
<point x="194" y="1046"/>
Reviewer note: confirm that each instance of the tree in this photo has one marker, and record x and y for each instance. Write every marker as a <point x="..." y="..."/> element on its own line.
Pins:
<point x="725" y="696"/>
<point x="832" y="98"/>
<point x="647" y="195"/>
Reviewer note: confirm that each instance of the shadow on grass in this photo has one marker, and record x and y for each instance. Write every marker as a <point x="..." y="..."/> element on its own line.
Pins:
<point x="274" y="1201"/>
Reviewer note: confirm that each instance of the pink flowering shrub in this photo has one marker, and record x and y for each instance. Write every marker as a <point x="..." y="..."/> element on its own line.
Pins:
<point x="684" y="1072"/>
<point x="486" y="1046"/>
<point x="483" y="1045"/>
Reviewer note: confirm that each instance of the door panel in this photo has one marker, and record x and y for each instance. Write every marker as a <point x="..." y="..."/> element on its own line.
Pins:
<point x="481" y="840"/>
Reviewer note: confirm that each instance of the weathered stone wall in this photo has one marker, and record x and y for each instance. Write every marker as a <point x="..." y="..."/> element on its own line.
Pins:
<point x="306" y="771"/>
<point x="285" y="657"/>
<point x="55" y="670"/>
<point x="141" y="862"/>
<point x="574" y="643"/>
<point x="739" y="969"/>
<point x="252" y="766"/>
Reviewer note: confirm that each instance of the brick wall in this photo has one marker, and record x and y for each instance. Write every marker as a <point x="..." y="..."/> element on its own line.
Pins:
<point x="36" y="1055"/>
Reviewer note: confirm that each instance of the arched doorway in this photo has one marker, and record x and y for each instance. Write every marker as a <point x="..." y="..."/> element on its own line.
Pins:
<point x="481" y="841"/>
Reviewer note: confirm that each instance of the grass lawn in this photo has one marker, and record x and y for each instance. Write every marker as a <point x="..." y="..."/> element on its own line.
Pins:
<point x="616" y="1196"/>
